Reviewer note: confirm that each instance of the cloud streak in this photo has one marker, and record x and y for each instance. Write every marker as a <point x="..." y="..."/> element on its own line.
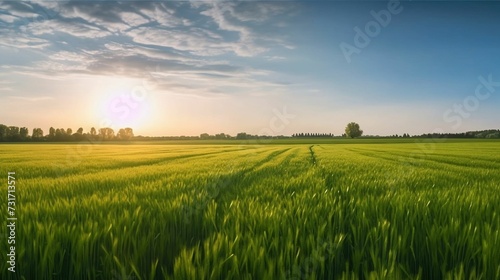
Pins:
<point x="186" y="40"/>
<point x="32" y="99"/>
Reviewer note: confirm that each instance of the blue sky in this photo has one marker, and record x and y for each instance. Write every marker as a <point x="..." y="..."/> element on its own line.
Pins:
<point x="266" y="67"/>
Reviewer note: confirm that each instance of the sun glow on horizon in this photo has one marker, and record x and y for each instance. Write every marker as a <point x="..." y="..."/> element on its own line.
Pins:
<point x="124" y="104"/>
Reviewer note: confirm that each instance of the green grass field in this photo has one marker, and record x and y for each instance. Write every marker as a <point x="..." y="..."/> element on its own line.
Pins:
<point x="284" y="210"/>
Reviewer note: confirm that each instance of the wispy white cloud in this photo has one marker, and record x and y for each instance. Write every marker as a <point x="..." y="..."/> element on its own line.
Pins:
<point x="81" y="57"/>
<point x="246" y="45"/>
<point x="32" y="99"/>
<point x="5" y="85"/>
<point x="213" y="84"/>
<point x="137" y="39"/>
<point x="195" y="40"/>
<point x="69" y="27"/>
<point x="235" y="17"/>
<point x="275" y="57"/>
<point x="164" y="16"/>
<point x="118" y="17"/>
<point x="37" y="72"/>
<point x="15" y="40"/>
<point x="18" y="9"/>
<point x="8" y="18"/>
<point x="122" y="50"/>
<point x="134" y="19"/>
<point x="258" y="11"/>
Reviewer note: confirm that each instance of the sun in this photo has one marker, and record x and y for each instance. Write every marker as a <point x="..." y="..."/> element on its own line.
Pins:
<point x="125" y="105"/>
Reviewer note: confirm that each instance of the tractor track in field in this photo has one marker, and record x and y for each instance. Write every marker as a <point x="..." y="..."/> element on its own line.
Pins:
<point x="330" y="177"/>
<point x="313" y="156"/>
<point x="455" y="160"/>
<point x="122" y="165"/>
<point x="408" y="160"/>
<point x="224" y="190"/>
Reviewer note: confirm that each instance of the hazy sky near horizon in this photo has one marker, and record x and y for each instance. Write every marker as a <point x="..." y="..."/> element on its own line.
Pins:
<point x="266" y="67"/>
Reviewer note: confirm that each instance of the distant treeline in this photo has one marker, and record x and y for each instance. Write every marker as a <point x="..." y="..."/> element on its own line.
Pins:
<point x="239" y="136"/>
<point x="490" y="133"/>
<point x="21" y="134"/>
<point x="312" y="135"/>
<point x="246" y="136"/>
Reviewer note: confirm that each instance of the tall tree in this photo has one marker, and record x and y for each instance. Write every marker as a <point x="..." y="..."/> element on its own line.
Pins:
<point x="242" y="135"/>
<point x="106" y="133"/>
<point x="352" y="130"/>
<point x="52" y="133"/>
<point x="23" y="132"/>
<point x="204" y="136"/>
<point x="13" y="133"/>
<point x="125" y="133"/>
<point x="59" y="134"/>
<point x="220" y="136"/>
<point x="3" y="132"/>
<point x="121" y="135"/>
<point x="129" y="132"/>
<point x="78" y="136"/>
<point x="37" y="134"/>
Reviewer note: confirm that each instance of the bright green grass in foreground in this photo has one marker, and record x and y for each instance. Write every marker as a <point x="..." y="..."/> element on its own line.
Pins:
<point x="302" y="211"/>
